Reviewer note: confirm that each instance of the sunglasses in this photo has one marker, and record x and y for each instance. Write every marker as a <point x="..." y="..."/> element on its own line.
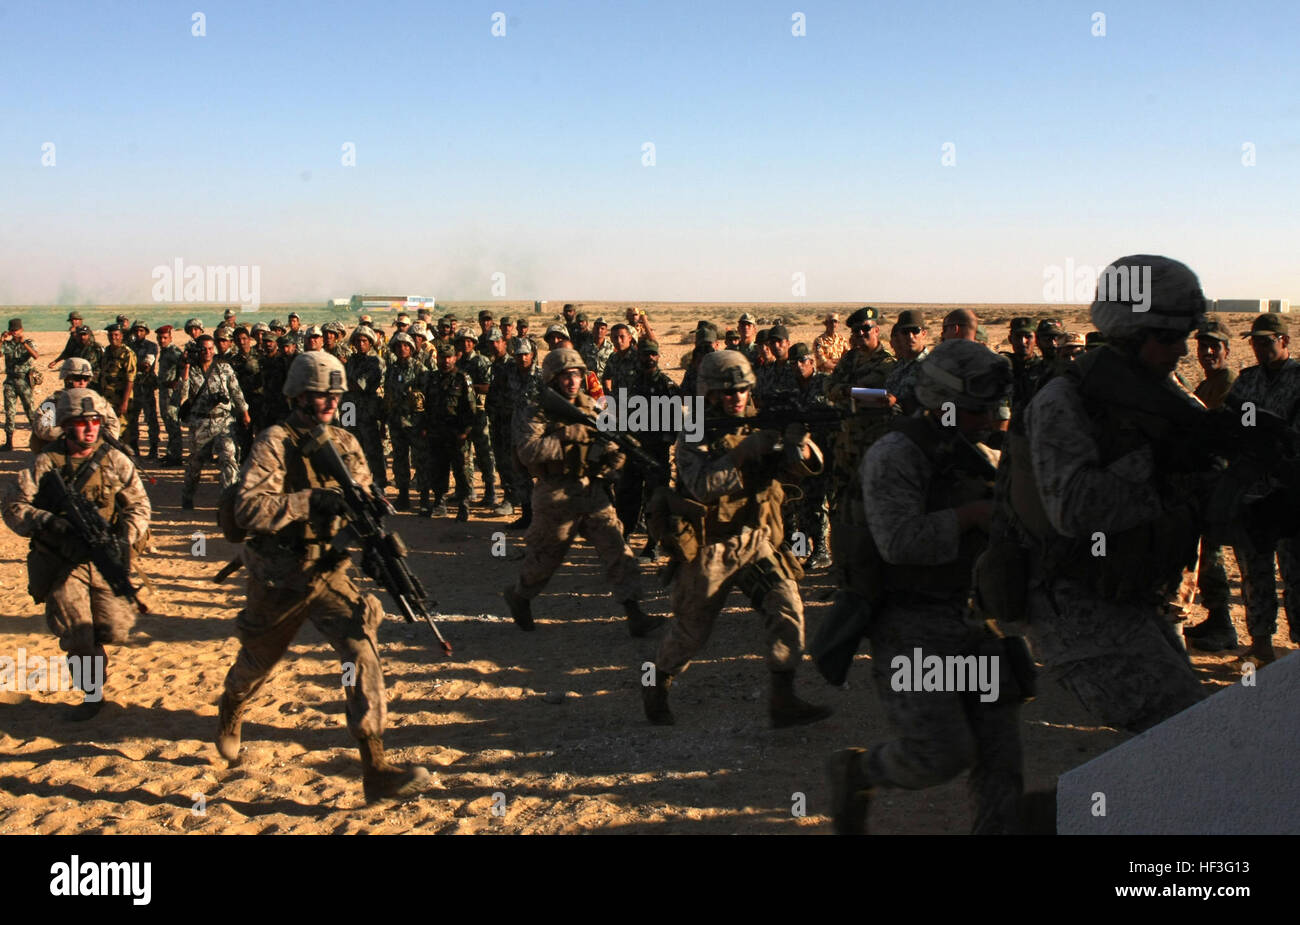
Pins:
<point x="910" y="330"/>
<point x="91" y="419"/>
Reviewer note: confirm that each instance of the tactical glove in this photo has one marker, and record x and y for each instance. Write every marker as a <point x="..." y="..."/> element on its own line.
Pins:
<point x="61" y="536"/>
<point x="327" y="504"/>
<point x="754" y="447"/>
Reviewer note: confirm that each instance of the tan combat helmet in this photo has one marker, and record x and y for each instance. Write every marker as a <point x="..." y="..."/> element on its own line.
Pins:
<point x="78" y="403"/>
<point x="724" y="369"/>
<point x="557" y="361"/>
<point x="314" y="371"/>
<point x="76" y="368"/>
<point x="963" y="372"/>
<point x="1126" y="305"/>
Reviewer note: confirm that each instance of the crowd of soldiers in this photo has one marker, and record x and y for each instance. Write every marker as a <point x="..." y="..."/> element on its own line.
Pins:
<point x="953" y="492"/>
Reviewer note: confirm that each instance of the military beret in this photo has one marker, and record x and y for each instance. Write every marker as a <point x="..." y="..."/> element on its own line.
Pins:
<point x="865" y="317"/>
<point x="799" y="351"/>
<point x="779" y="332"/>
<point x="1266" y="324"/>
<point x="164" y="329"/>
<point x="648" y="346"/>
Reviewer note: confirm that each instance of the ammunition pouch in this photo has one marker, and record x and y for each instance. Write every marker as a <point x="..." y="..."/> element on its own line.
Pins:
<point x="758" y="578"/>
<point x="676" y="523"/>
<point x="46" y="567"/>
<point x="1002" y="581"/>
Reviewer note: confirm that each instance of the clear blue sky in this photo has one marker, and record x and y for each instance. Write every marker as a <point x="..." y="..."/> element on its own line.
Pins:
<point x="522" y="154"/>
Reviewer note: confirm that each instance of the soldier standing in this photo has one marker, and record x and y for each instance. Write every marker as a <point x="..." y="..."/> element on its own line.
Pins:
<point x="636" y="486"/>
<point x="499" y="410"/>
<point x="1084" y="473"/>
<point x="525" y="379"/>
<point x="364" y="377"/>
<point x="479" y="370"/>
<point x="88" y="349"/>
<point x="1216" y="632"/>
<point x="747" y="328"/>
<point x="779" y="377"/>
<point x="19" y="352"/>
<point x="812" y="516"/>
<point x="293" y="513"/>
<point x="75" y="374"/>
<point x="72" y="343"/>
<point x="448" y="419"/>
<point x="831" y="344"/>
<point x="212" y="391"/>
<point x="296" y="334"/>
<point x="405" y="384"/>
<point x="80" y="606"/>
<point x="171" y="360"/>
<point x="911" y="349"/>
<point x="117" y="374"/>
<point x="730" y="479"/>
<point x="621" y="367"/>
<point x="706" y="342"/>
<point x="598" y="349"/>
<point x="929" y="517"/>
<point x="246" y="363"/>
<point x="1272" y="385"/>
<point x="144" y="397"/>
<point x="867" y="365"/>
<point x="571" y="497"/>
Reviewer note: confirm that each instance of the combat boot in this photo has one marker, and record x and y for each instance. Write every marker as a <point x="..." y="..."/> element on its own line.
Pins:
<point x="822" y="554"/>
<point x="788" y="710"/>
<point x="439" y="509"/>
<point x="229" y="722"/>
<point x="504" y="509"/>
<point x="403" y="502"/>
<point x="640" y="623"/>
<point x="462" y="512"/>
<point x="850" y="791"/>
<point x="425" y="510"/>
<point x="1261" y="650"/>
<point x="490" y="498"/>
<point x="9" y="442"/>
<point x="521" y="609"/>
<point x="381" y="779"/>
<point x="1215" y="634"/>
<point x="654" y="697"/>
<point x="525" y="520"/>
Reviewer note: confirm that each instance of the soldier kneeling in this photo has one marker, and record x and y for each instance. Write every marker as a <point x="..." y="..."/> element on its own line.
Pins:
<point x="292" y="514"/>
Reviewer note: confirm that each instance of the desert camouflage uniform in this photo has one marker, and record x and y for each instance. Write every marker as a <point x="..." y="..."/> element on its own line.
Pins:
<point x="927" y="574"/>
<point x="901" y="383"/>
<point x="499" y="410"/>
<point x="248" y="370"/>
<point x="1212" y="575"/>
<point x="80" y="607"/>
<point x="45" y="431"/>
<point x="144" y="397"/>
<point x="404" y="386"/>
<point x="596" y="357"/>
<point x="524" y="390"/>
<point x="364" y="377"/>
<point x="212" y="427"/>
<point x="18" y="362"/>
<point x="479" y="445"/>
<point x="1118" y="654"/>
<point x="857" y="368"/>
<point x="117" y="374"/>
<point x="291" y="579"/>
<point x="742" y="528"/>
<point x="170" y="361"/>
<point x="570" y="498"/>
<point x="1279" y="393"/>
<point x="828" y="349"/>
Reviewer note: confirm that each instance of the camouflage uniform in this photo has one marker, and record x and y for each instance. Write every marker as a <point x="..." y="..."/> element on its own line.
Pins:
<point x="901" y="383"/>
<point x="144" y="397"/>
<point x="479" y="370"/>
<point x="80" y="607"/>
<point x="272" y="408"/>
<point x="117" y="374"/>
<point x="779" y="378"/>
<point x="18" y="363"/>
<point x="248" y="371"/>
<point x="405" y="384"/>
<point x="1117" y="654"/>
<point x="499" y="409"/>
<point x="828" y="349"/>
<point x="170" y="360"/>
<point x="212" y="428"/>
<point x="634" y="486"/>
<point x="364" y="377"/>
<point x="811" y="513"/>
<point x="1276" y="391"/>
<point x="622" y="369"/>
<point x="570" y="498"/>
<point x="1212" y="574"/>
<point x="292" y="579"/>
<point x="857" y="368"/>
<point x="448" y="414"/>
<point x="597" y="357"/>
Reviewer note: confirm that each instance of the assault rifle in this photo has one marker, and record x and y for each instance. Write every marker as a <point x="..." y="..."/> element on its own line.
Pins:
<point x="110" y="553"/>
<point x="383" y="554"/>
<point x="560" y="407"/>
<point x="784" y="407"/>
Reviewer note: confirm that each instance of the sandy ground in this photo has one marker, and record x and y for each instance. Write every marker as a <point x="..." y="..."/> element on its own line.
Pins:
<point x="481" y="719"/>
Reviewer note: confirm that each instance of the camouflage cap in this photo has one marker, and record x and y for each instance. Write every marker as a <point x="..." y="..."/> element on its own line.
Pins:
<point x="559" y="329"/>
<point x="1213" y="330"/>
<point x="284" y="340"/>
<point x="293" y="315"/>
<point x="799" y="351"/>
<point x="1266" y="324"/>
<point x="123" y="320"/>
<point x="747" y="318"/>
<point x="419" y="329"/>
<point x="78" y="403"/>
<point x="582" y="316"/>
<point x="223" y="333"/>
<point x="314" y="331"/>
<point x="113" y="328"/>
<point x="139" y="324"/>
<point x="260" y="328"/>
<point x="493" y="335"/>
<point x="275" y="325"/>
<point x="15" y="324"/>
<point x="485" y="315"/>
<point x="647" y="345"/>
<point x="465" y="334"/>
<point x="963" y="372"/>
<point x="230" y="313"/>
<point x="600" y="323"/>
<point x="520" y="345"/>
<point x="403" y="318"/>
<point x="445" y="349"/>
<point x="559" y="360"/>
<point x="722" y="370"/>
<point x="366" y="320"/>
<point x="706" y="332"/>
<point x="1022" y="325"/>
<point x="76" y="368"/>
<point x="778" y="332"/>
<point x="402" y="338"/>
<point x="865" y="317"/>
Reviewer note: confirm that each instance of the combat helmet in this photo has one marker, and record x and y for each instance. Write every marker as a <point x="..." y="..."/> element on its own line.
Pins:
<point x="402" y="338"/>
<point x="963" y="372"/>
<point x="76" y="403"/>
<point x="76" y="368"/>
<point x="725" y="369"/>
<point x="1145" y="292"/>
<point x="314" y="371"/>
<point x="557" y="361"/>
